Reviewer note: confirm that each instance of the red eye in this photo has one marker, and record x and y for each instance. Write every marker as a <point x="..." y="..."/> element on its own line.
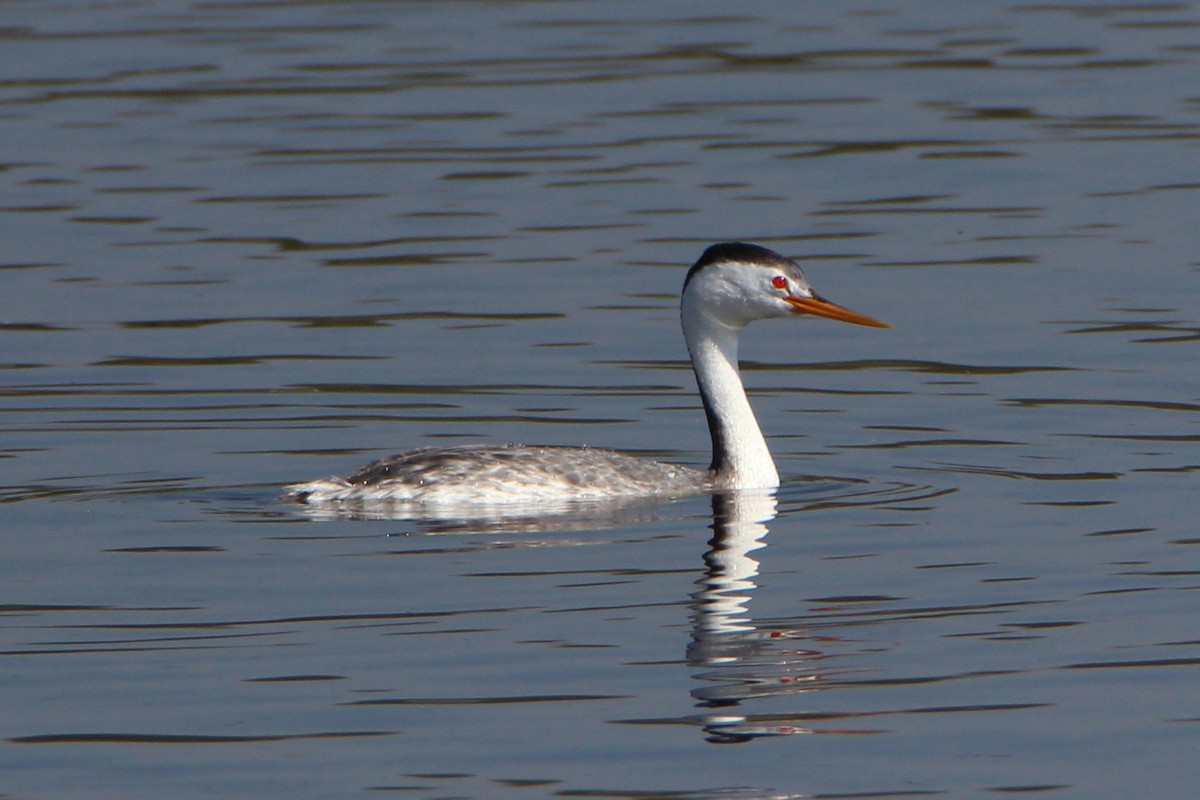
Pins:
<point x="779" y="282"/>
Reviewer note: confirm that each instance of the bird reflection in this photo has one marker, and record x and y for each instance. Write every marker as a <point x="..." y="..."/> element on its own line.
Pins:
<point x="742" y="661"/>
<point x="738" y="658"/>
<point x="721" y="629"/>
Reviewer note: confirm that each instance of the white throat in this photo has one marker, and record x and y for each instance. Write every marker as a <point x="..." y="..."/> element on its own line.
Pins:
<point x="741" y="459"/>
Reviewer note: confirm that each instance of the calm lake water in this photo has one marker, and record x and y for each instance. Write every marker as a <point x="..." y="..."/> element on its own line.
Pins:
<point x="251" y="243"/>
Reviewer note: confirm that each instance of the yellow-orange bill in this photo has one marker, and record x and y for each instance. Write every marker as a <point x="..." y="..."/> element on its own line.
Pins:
<point x="823" y="308"/>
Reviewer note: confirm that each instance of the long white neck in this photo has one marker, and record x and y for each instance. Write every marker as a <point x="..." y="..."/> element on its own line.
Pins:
<point x="741" y="459"/>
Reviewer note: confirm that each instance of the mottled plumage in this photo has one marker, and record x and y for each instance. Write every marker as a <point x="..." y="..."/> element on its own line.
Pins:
<point x="471" y="474"/>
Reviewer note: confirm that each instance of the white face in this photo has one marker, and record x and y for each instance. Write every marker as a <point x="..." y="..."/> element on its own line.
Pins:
<point x="738" y="293"/>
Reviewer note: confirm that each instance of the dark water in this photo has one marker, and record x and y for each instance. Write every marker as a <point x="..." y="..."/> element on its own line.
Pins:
<point x="249" y="243"/>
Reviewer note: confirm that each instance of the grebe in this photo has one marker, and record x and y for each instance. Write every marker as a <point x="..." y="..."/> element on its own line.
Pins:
<point x="730" y="286"/>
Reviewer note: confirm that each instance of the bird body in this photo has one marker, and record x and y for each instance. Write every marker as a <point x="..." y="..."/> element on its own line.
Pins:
<point x="730" y="286"/>
<point x="511" y="473"/>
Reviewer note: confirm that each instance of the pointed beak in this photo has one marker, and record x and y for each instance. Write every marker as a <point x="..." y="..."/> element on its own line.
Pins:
<point x="820" y="307"/>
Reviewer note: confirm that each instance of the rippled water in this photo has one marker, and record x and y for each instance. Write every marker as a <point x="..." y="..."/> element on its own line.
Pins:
<point x="249" y="243"/>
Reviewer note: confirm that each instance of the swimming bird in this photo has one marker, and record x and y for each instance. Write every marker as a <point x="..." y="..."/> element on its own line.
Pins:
<point x="731" y="285"/>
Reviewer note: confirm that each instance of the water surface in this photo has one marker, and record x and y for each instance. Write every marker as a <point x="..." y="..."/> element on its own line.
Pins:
<point x="253" y="243"/>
